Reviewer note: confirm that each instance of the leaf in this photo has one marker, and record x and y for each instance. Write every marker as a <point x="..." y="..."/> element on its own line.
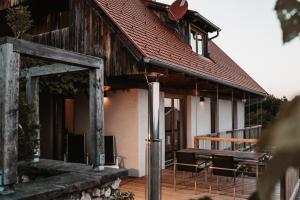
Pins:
<point x="288" y="12"/>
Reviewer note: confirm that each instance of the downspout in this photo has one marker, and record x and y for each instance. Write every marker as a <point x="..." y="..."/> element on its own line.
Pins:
<point x="217" y="35"/>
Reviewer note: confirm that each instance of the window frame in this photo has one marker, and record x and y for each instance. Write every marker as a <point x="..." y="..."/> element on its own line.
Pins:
<point x="204" y="40"/>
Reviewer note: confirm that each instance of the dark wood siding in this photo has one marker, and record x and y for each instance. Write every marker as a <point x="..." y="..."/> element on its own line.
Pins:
<point x="75" y="25"/>
<point x="8" y="3"/>
<point x="181" y="28"/>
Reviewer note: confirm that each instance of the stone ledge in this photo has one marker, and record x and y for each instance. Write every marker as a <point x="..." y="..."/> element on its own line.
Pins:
<point x="70" y="178"/>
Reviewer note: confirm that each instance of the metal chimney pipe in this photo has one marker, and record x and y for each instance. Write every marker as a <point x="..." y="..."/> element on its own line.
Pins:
<point x="153" y="162"/>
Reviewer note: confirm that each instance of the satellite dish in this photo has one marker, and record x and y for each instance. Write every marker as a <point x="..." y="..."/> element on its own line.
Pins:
<point x="178" y="9"/>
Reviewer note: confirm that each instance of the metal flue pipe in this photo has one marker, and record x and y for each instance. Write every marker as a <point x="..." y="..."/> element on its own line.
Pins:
<point x="153" y="162"/>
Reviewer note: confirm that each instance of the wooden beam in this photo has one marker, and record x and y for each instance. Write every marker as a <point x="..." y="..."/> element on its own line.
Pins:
<point x="235" y="140"/>
<point x="96" y="102"/>
<point x="49" y="70"/>
<point x="115" y="30"/>
<point x="9" y="96"/>
<point x="51" y="53"/>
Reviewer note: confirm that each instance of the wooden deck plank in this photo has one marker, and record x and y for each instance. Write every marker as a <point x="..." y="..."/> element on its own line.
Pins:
<point x="185" y="187"/>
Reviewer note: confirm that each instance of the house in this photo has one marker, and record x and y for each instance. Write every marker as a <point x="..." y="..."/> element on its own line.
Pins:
<point x="202" y="89"/>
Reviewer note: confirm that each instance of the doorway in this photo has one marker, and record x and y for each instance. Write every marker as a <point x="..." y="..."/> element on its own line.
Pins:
<point x="175" y="137"/>
<point x="62" y="135"/>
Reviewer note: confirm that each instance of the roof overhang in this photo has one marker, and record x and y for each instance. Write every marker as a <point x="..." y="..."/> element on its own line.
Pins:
<point x="199" y="75"/>
<point x="198" y="18"/>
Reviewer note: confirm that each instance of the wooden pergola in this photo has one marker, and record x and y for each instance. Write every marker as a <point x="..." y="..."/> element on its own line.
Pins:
<point x="10" y="73"/>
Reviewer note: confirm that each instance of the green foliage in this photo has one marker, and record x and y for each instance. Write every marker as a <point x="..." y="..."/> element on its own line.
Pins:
<point x="19" y="20"/>
<point x="270" y="109"/>
<point x="65" y="84"/>
<point x="118" y="195"/>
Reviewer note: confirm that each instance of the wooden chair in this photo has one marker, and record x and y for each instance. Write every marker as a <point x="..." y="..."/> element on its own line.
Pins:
<point x="225" y="166"/>
<point x="187" y="162"/>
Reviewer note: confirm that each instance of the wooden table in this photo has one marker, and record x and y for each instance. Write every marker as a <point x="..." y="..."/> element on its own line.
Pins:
<point x="242" y="157"/>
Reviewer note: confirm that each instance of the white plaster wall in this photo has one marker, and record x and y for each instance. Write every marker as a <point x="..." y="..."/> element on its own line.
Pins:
<point x="198" y="119"/>
<point x="225" y="115"/>
<point x="81" y="115"/>
<point x="82" y="119"/>
<point x="225" y="121"/>
<point x="240" y="114"/>
<point x="142" y="123"/>
<point x="121" y="117"/>
<point x="126" y="117"/>
<point x="189" y="121"/>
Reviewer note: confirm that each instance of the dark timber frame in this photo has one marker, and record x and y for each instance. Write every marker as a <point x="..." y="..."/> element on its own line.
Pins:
<point x="66" y="61"/>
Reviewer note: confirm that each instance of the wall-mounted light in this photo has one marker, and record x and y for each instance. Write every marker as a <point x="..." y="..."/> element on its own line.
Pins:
<point x="107" y="88"/>
<point x="202" y="99"/>
<point x="244" y="100"/>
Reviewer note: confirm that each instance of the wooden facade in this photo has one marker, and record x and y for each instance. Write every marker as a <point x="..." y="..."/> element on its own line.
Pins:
<point x="77" y="26"/>
<point x="81" y="26"/>
<point x="9" y="3"/>
<point x="10" y="51"/>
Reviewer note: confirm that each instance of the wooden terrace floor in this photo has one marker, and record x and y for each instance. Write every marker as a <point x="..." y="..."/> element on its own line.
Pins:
<point x="185" y="187"/>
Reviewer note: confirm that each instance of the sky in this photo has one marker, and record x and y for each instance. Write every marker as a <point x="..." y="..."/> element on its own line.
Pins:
<point x="251" y="36"/>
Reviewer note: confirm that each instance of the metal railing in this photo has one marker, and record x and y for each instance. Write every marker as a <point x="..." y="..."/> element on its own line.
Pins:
<point x="236" y="140"/>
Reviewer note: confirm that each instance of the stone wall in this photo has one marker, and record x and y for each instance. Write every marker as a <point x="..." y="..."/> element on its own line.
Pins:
<point x="108" y="191"/>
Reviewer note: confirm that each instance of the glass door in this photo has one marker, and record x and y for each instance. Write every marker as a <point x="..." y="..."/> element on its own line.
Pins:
<point x="174" y="136"/>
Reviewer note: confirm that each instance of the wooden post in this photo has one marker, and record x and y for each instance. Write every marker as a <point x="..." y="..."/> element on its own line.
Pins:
<point x="249" y="109"/>
<point x="261" y="112"/>
<point x="232" y="112"/>
<point x="196" y="143"/>
<point x="96" y="136"/>
<point x="9" y="96"/>
<point x="217" y="144"/>
<point x="32" y="95"/>
<point x="283" y="188"/>
<point x="257" y="114"/>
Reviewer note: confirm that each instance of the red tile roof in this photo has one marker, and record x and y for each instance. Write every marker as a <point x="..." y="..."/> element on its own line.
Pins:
<point x="157" y="42"/>
<point x="240" y="76"/>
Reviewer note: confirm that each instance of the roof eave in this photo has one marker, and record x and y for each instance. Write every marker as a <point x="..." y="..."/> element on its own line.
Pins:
<point x="197" y="74"/>
<point x="201" y="17"/>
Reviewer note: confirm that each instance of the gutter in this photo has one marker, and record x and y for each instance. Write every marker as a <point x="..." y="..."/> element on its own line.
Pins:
<point x="192" y="73"/>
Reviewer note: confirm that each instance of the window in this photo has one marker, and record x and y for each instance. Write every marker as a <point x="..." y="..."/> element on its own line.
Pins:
<point x="198" y="41"/>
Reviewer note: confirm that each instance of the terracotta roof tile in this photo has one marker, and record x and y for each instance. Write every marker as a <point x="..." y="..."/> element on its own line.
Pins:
<point x="155" y="41"/>
<point x="239" y="76"/>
